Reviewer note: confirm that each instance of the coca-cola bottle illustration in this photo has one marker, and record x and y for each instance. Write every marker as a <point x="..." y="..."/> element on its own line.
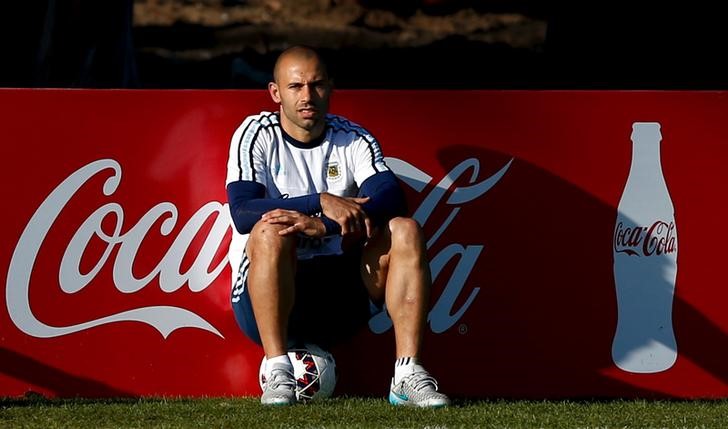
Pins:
<point x="645" y="261"/>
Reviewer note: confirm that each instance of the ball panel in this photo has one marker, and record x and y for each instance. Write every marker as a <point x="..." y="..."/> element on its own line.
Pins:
<point x="314" y="370"/>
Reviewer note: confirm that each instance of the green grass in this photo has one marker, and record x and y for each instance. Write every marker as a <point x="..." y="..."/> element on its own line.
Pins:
<point x="358" y="412"/>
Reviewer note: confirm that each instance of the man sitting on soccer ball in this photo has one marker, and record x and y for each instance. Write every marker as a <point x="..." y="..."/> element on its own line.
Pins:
<point x="320" y="234"/>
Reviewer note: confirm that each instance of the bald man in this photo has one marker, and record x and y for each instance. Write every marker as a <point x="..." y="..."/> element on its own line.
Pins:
<point x="320" y="238"/>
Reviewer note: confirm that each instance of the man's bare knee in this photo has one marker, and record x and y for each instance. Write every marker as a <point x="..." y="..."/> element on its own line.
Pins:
<point x="406" y="231"/>
<point x="265" y="239"/>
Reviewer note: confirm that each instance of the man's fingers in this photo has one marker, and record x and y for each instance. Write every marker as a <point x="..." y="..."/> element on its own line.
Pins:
<point x="354" y="225"/>
<point x="359" y="200"/>
<point x="274" y="219"/>
<point x="369" y="226"/>
<point x="283" y="219"/>
<point x="272" y="213"/>
<point x="363" y="223"/>
<point x="276" y="213"/>
<point x="344" y="227"/>
<point x="290" y="230"/>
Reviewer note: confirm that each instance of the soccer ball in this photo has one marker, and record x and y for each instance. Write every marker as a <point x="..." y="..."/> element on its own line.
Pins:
<point x="314" y="369"/>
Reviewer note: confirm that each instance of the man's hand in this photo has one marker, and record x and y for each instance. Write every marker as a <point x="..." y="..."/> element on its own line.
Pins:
<point x="347" y="212"/>
<point x="296" y="222"/>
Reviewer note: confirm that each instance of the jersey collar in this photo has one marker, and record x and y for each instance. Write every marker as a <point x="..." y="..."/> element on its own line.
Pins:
<point x="301" y="145"/>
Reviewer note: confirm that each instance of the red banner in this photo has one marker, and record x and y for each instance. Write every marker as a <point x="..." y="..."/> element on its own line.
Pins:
<point x="552" y="221"/>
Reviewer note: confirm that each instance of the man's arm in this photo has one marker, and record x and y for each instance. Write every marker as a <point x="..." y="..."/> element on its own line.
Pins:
<point x="381" y="200"/>
<point x="248" y="203"/>
<point x="386" y="198"/>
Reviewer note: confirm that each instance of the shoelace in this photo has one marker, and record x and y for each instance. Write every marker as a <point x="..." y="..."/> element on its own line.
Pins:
<point x="281" y="377"/>
<point x="421" y="380"/>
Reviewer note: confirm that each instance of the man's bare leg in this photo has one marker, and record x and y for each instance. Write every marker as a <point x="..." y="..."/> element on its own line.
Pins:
<point x="271" y="284"/>
<point x="395" y="267"/>
<point x="271" y="287"/>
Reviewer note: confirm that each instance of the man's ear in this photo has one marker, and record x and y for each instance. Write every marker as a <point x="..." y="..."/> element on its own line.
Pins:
<point x="273" y="91"/>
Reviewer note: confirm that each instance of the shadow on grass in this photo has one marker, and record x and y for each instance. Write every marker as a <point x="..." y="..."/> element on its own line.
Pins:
<point x="35" y="372"/>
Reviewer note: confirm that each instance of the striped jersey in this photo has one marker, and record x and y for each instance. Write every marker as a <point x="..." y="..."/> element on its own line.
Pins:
<point x="337" y="163"/>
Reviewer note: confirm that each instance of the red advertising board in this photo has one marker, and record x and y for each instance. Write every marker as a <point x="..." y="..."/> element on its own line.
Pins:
<point x="553" y="273"/>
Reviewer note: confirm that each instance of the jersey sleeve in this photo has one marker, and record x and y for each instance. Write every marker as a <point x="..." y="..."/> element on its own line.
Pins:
<point x="367" y="157"/>
<point x="247" y="159"/>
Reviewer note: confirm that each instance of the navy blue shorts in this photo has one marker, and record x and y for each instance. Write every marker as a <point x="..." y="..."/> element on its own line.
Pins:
<point x="331" y="302"/>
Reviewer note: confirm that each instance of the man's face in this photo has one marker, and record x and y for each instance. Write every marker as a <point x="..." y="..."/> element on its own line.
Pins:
<point x="302" y="88"/>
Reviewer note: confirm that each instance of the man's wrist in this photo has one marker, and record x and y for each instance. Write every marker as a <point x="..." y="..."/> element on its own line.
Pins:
<point x="321" y="197"/>
<point x="313" y="204"/>
<point x="320" y="226"/>
<point x="332" y="228"/>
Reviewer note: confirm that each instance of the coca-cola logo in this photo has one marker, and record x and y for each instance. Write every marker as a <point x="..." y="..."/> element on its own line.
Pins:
<point x="165" y="318"/>
<point x="656" y="239"/>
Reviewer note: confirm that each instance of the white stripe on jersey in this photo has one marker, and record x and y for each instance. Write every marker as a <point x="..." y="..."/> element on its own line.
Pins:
<point x="339" y="122"/>
<point x="240" y="279"/>
<point x="248" y="137"/>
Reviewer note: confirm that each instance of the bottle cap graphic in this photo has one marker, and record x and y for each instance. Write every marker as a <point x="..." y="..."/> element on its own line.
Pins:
<point x="648" y="131"/>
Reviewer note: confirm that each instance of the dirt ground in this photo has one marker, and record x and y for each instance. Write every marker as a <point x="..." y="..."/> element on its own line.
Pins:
<point x="447" y="44"/>
<point x="235" y="41"/>
<point x="270" y="24"/>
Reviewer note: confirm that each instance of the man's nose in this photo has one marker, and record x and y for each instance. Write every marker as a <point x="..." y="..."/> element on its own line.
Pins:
<point x="305" y="93"/>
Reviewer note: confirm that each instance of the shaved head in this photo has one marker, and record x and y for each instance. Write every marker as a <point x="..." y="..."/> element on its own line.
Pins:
<point x="297" y="54"/>
<point x="302" y="88"/>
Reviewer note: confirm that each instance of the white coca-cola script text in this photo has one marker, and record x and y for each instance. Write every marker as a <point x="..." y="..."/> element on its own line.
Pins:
<point x="201" y="274"/>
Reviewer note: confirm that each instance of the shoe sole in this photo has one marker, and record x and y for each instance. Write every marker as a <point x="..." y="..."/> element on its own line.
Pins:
<point x="278" y="404"/>
<point x="399" y="402"/>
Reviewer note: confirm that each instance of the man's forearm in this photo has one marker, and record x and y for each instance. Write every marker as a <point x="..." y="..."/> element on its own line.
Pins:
<point x="248" y="203"/>
<point x="386" y="198"/>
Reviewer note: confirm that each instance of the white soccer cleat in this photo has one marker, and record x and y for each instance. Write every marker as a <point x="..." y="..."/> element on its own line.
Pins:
<point x="280" y="388"/>
<point x="418" y="389"/>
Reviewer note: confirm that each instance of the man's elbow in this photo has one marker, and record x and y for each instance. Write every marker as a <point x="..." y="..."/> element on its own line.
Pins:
<point x="243" y="222"/>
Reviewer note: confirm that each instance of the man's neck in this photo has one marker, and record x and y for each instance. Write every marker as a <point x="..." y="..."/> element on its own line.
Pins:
<point x="301" y="134"/>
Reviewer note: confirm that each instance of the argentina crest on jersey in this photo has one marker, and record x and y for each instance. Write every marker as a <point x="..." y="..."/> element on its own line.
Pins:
<point x="333" y="171"/>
